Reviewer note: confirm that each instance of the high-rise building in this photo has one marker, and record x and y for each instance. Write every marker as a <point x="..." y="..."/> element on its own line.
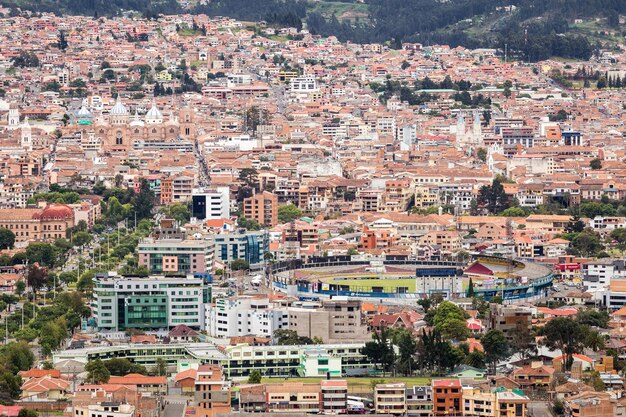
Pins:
<point x="122" y="303"/>
<point x="176" y="256"/>
<point x="262" y="208"/>
<point x="212" y="393"/>
<point x="211" y="204"/>
<point x="241" y="244"/>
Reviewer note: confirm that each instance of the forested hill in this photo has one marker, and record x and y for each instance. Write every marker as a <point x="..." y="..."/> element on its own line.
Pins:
<point x="532" y="29"/>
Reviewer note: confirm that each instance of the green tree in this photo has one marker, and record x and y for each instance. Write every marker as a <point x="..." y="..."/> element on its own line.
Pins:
<point x="565" y="334"/>
<point x="288" y="212"/>
<point x="249" y="177"/>
<point x="407" y="345"/>
<point x="17" y="356"/>
<point x="470" y="288"/>
<point x="481" y="153"/>
<point x="143" y="202"/>
<point x="179" y="212"/>
<point x="239" y="265"/>
<point x="42" y="253"/>
<point x="122" y="366"/>
<point x="449" y="319"/>
<point x="161" y="367"/>
<point x="496" y="347"/>
<point x="37" y="277"/>
<point x="290" y="337"/>
<point x="513" y="212"/>
<point x="254" y="377"/>
<point x="25" y="412"/>
<point x="492" y="197"/>
<point x="97" y="372"/>
<point x="7" y="238"/>
<point x="380" y="350"/>
<point x="587" y="243"/>
<point x="81" y="238"/>
<point x="475" y="359"/>
<point x="595" y="164"/>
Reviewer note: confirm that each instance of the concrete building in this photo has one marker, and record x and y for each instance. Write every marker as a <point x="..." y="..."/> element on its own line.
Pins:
<point x="509" y="318"/>
<point x="105" y="409"/>
<point x="334" y="396"/>
<point x="390" y="399"/>
<point x="209" y="205"/>
<point x="419" y="401"/>
<point x="212" y="393"/>
<point x="241" y="244"/>
<point x="335" y="321"/>
<point x="293" y="397"/>
<point x="243" y="316"/>
<point x="154" y="302"/>
<point x="48" y="222"/>
<point x="262" y="208"/>
<point x="176" y="256"/>
<point x="447" y="397"/>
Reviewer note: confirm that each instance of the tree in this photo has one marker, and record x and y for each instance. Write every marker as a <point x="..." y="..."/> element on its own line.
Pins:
<point x="20" y="287"/>
<point x="380" y="350"/>
<point x="449" y="319"/>
<point x="42" y="253"/>
<point x="406" y="343"/>
<point x="62" y="42"/>
<point x="254" y="377"/>
<point x="249" y="177"/>
<point x="161" y="367"/>
<point x="17" y="356"/>
<point x="290" y="337"/>
<point x="288" y="212"/>
<point x="496" y="347"/>
<point x="97" y="372"/>
<point x="492" y="197"/>
<point x="475" y="359"/>
<point x="81" y="238"/>
<point x="595" y="164"/>
<point x="179" y="212"/>
<point x="522" y="341"/>
<point x="25" y="412"/>
<point x="7" y="238"/>
<point x="239" y="265"/>
<point x="143" y="202"/>
<point x="593" y="318"/>
<point x="470" y="288"/>
<point x="122" y="366"/>
<point x="37" y="277"/>
<point x="482" y="154"/>
<point x="587" y="243"/>
<point x="565" y="334"/>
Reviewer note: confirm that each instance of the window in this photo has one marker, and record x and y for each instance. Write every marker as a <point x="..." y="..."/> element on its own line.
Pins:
<point x="118" y="138"/>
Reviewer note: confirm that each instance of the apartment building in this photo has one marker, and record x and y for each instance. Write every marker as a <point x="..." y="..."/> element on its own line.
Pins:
<point x="243" y="316"/>
<point x="333" y="321"/>
<point x="447" y="397"/>
<point x="293" y="397"/>
<point x="176" y="256"/>
<point x="497" y="403"/>
<point x="177" y="189"/>
<point x="389" y="399"/>
<point x="419" y="401"/>
<point x="241" y="244"/>
<point x="262" y="208"/>
<point x="334" y="396"/>
<point x="509" y="318"/>
<point x="210" y="205"/>
<point x="154" y="302"/>
<point x="212" y="393"/>
<point x="105" y="409"/>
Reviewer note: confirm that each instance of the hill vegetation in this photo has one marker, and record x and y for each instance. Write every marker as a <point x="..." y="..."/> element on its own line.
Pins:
<point x="531" y="29"/>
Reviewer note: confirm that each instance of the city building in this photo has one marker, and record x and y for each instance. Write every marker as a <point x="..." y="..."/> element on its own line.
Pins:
<point x="246" y="245"/>
<point x="262" y="208"/>
<point x="447" y="397"/>
<point x="176" y="256"/>
<point x="154" y="302"/>
<point x="390" y="399"/>
<point x="45" y="223"/>
<point x="211" y="204"/>
<point x="243" y="316"/>
<point x="212" y="393"/>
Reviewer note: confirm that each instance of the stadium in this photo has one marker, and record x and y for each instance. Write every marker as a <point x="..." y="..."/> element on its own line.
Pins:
<point x="400" y="277"/>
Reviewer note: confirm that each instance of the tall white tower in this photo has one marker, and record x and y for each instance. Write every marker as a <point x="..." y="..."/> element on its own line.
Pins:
<point x="460" y="128"/>
<point x="13" y="121"/>
<point x="477" y="129"/>
<point x="27" y="136"/>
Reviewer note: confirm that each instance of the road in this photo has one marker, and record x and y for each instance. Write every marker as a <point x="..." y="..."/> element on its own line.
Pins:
<point x="539" y="409"/>
<point x="174" y="410"/>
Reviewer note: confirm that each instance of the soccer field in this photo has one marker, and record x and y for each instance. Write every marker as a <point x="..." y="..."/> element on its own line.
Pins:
<point x="365" y="285"/>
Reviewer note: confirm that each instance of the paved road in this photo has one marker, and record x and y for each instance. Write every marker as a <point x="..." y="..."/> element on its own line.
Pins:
<point x="539" y="409"/>
<point x="174" y="410"/>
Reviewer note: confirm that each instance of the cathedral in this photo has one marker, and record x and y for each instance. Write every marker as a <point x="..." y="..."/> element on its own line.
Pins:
<point x="465" y="136"/>
<point x="123" y="131"/>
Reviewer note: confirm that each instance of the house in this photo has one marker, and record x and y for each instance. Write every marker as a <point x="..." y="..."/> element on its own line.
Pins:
<point x="10" y="410"/>
<point x="466" y="371"/>
<point x="447" y="397"/>
<point x="186" y="381"/>
<point x="45" y="388"/>
<point x="534" y="375"/>
<point x="182" y="333"/>
<point x="151" y="384"/>
<point x="39" y="373"/>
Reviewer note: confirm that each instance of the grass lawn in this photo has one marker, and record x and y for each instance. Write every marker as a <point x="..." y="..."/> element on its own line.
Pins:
<point x="355" y="385"/>
<point x="367" y="284"/>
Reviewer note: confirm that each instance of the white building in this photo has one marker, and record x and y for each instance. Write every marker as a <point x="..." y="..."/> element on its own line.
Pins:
<point x="105" y="409"/>
<point x="211" y="204"/>
<point x="243" y="316"/>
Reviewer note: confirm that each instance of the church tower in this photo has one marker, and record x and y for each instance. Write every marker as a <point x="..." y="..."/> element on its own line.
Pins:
<point x="460" y="129"/>
<point x="477" y="129"/>
<point x="13" y="121"/>
<point x="27" y="136"/>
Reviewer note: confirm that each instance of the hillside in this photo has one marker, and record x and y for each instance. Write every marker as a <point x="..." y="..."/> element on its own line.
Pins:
<point x="532" y="29"/>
